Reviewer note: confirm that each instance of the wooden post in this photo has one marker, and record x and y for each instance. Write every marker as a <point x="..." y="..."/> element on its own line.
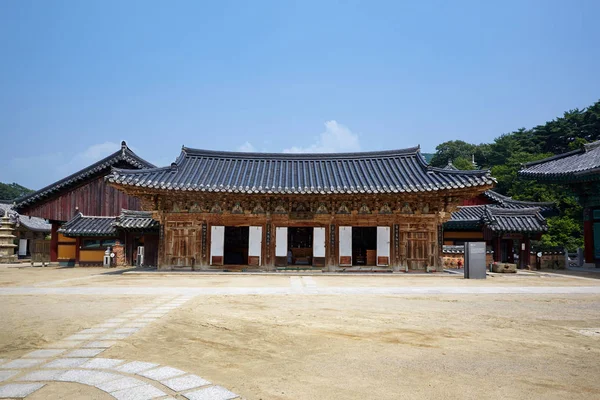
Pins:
<point x="54" y="241"/>
<point x="527" y="256"/>
<point x="497" y="249"/>
<point x="588" y="235"/>
<point x="77" y="249"/>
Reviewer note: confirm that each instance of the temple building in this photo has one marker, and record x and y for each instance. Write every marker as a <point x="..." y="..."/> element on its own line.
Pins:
<point x="580" y="171"/>
<point x="225" y="210"/>
<point x="84" y="192"/>
<point x="506" y="225"/>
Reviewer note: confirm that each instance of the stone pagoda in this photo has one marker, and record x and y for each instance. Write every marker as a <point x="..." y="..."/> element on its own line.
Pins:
<point x="7" y="245"/>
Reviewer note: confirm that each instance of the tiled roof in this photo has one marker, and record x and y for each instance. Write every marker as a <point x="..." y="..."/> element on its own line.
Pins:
<point x="370" y="172"/>
<point x="120" y="156"/>
<point x="466" y="217"/>
<point x="498" y="219"/>
<point x="82" y="225"/>
<point x="136" y="220"/>
<point x="514" y="220"/>
<point x="581" y="164"/>
<point x="31" y="223"/>
<point x="509" y="202"/>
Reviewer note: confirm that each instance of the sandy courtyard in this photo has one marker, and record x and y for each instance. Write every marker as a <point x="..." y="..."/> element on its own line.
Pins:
<point x="306" y="344"/>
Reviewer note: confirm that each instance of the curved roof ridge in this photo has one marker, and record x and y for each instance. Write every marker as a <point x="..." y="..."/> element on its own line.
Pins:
<point x="188" y="151"/>
<point x="503" y="198"/>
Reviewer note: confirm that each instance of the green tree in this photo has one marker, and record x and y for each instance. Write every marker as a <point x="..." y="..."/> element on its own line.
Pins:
<point x="10" y="191"/>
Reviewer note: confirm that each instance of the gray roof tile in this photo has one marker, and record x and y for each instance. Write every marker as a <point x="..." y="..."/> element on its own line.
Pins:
<point x="82" y="225"/>
<point x="497" y="218"/>
<point x="583" y="163"/>
<point x="369" y="172"/>
<point x="31" y="223"/>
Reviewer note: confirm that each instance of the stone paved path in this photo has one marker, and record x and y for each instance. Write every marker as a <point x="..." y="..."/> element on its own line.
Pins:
<point x="77" y="359"/>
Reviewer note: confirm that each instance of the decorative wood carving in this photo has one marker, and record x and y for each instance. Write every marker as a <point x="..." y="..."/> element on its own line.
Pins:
<point x="237" y="208"/>
<point x="364" y="209"/>
<point x="385" y="209"/>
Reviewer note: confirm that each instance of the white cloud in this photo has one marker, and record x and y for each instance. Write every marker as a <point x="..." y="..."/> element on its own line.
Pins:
<point x="41" y="170"/>
<point x="336" y="138"/>
<point x="94" y="153"/>
<point x="247" y="148"/>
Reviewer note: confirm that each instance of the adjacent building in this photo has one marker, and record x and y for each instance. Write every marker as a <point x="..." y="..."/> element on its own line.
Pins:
<point x="580" y="170"/>
<point x="28" y="231"/>
<point x="380" y="210"/>
<point x="84" y="192"/>
<point x="506" y="225"/>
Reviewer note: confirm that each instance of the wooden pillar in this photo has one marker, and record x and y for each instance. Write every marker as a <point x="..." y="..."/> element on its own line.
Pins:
<point x="497" y="248"/>
<point x="588" y="235"/>
<point x="527" y="251"/>
<point x="77" y="249"/>
<point x="161" y="244"/>
<point x="54" y="241"/>
<point x="509" y="248"/>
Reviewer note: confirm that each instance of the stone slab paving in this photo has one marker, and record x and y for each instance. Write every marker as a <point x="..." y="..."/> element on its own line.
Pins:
<point x="19" y="390"/>
<point x="43" y="375"/>
<point x="211" y="393"/>
<point x="44" y="353"/>
<point x="162" y="373"/>
<point x="64" y="344"/>
<point x="186" y="382"/>
<point x="22" y="363"/>
<point x="84" y="353"/>
<point x="136" y="366"/>
<point x="119" y="384"/>
<point x="73" y="360"/>
<point x="100" y="344"/>
<point x="138" y="393"/>
<point x="102" y="363"/>
<point x="66" y="362"/>
<point x="4" y="375"/>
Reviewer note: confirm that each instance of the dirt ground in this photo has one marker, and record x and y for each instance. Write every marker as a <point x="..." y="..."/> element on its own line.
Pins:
<point x="32" y="322"/>
<point x="300" y="346"/>
<point x="383" y="347"/>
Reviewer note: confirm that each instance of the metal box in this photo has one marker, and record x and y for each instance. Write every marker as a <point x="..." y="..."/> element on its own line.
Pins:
<point x="475" y="260"/>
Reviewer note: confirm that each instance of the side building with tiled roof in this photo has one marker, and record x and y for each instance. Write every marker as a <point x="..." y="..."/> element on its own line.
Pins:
<point x="27" y="230"/>
<point x="84" y="191"/>
<point x="340" y="211"/>
<point x="506" y="225"/>
<point x="580" y="171"/>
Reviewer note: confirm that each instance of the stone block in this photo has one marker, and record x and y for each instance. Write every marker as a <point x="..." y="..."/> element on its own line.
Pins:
<point x="84" y="353"/>
<point x="119" y="384"/>
<point x="162" y="373"/>
<point x="138" y="393"/>
<point x="211" y="393"/>
<point x="22" y="363"/>
<point x="48" y="353"/>
<point x="43" y="375"/>
<point x="504" y="267"/>
<point x="4" y="375"/>
<point x="185" y="382"/>
<point x="102" y="363"/>
<point x="66" y="363"/>
<point x="135" y="367"/>
<point x="19" y="390"/>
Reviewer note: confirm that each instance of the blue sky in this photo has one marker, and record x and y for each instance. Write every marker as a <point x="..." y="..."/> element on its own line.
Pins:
<point x="77" y="77"/>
